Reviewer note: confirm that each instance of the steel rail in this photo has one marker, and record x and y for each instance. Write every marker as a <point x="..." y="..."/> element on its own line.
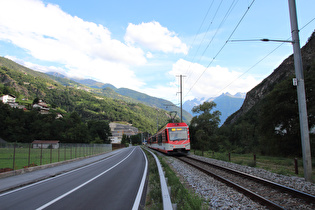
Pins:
<point x="241" y="189"/>
<point x="305" y="196"/>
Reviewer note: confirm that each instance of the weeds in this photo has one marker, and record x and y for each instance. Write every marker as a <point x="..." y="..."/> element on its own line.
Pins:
<point x="179" y="194"/>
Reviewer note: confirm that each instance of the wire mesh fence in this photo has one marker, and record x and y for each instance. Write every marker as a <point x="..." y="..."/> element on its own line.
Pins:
<point x="15" y="156"/>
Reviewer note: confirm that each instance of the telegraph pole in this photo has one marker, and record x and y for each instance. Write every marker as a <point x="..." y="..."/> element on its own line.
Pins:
<point x="181" y="97"/>
<point x="304" y="129"/>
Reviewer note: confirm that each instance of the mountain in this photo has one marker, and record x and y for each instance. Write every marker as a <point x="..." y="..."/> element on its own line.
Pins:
<point x="268" y="122"/>
<point x="66" y="96"/>
<point x="227" y="104"/>
<point x="285" y="70"/>
<point x="125" y="94"/>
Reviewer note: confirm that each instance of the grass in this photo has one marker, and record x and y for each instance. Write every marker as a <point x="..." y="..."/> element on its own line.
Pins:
<point x="184" y="198"/>
<point x="23" y="156"/>
<point x="154" y="196"/>
<point x="180" y="195"/>
<point x="279" y="165"/>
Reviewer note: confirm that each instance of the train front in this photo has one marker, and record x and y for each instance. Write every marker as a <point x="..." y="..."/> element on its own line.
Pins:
<point x="178" y="138"/>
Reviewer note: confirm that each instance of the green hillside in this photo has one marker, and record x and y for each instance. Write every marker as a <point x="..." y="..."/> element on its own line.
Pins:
<point x="67" y="96"/>
<point x="126" y="94"/>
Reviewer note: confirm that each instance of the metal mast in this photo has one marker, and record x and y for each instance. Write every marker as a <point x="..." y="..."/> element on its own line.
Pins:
<point x="304" y="129"/>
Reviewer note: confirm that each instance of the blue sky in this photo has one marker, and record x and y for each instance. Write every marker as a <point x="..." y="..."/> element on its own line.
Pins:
<point x="145" y="45"/>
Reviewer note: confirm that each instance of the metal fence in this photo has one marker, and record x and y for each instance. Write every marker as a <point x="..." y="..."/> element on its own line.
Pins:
<point x="15" y="156"/>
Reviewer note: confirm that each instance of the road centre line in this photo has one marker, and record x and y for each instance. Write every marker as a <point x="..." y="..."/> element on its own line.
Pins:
<point x="85" y="183"/>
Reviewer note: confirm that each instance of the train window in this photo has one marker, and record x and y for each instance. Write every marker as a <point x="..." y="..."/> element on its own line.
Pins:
<point x="178" y="134"/>
<point x="159" y="138"/>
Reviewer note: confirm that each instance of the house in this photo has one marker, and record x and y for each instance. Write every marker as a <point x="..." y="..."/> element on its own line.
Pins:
<point x="2" y="141"/>
<point x="118" y="130"/>
<point x="45" y="144"/>
<point x="8" y="98"/>
<point x="42" y="106"/>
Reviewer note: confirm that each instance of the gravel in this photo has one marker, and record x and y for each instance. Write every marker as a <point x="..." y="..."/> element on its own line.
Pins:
<point x="219" y="196"/>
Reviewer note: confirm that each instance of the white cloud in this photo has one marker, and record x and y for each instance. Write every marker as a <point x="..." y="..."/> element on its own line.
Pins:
<point x="84" y="48"/>
<point x="213" y="82"/>
<point x="149" y="55"/>
<point x="155" y="37"/>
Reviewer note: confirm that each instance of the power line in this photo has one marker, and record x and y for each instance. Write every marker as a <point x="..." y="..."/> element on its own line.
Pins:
<point x="223" y="45"/>
<point x="215" y="14"/>
<point x="258" y="62"/>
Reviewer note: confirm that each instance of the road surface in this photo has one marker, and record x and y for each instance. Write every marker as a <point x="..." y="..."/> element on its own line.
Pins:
<point x="113" y="183"/>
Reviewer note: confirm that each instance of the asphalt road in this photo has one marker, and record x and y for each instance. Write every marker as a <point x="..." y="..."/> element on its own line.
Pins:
<point x="112" y="183"/>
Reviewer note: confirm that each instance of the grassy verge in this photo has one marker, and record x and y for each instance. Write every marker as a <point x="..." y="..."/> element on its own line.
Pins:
<point x="279" y="165"/>
<point x="184" y="198"/>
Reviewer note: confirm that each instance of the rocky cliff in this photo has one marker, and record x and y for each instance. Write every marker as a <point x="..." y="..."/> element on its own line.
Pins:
<point x="286" y="69"/>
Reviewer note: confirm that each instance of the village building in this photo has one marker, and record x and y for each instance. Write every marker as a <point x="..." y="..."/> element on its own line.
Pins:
<point x="118" y="130"/>
<point x="45" y="144"/>
<point x="42" y="106"/>
<point x="8" y="99"/>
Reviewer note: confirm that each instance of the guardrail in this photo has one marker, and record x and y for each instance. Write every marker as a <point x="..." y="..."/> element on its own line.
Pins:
<point x="167" y="203"/>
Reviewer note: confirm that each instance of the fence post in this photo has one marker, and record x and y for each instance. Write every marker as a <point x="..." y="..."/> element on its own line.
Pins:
<point x="14" y="157"/>
<point x="51" y="153"/>
<point x="59" y="152"/>
<point x="41" y="153"/>
<point x="75" y="156"/>
<point x="296" y="166"/>
<point x="255" y="159"/>
<point x="65" y="158"/>
<point x="29" y="154"/>
<point x="229" y="157"/>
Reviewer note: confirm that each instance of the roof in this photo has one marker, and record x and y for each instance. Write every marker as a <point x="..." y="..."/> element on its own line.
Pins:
<point x="2" y="141"/>
<point x="45" y="142"/>
<point x="175" y="124"/>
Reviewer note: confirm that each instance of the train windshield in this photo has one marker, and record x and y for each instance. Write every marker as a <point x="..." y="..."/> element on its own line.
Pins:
<point x="178" y="134"/>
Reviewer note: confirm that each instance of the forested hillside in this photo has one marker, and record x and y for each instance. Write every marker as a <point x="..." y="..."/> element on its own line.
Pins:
<point x="27" y="85"/>
<point x="125" y="94"/>
<point x="268" y="121"/>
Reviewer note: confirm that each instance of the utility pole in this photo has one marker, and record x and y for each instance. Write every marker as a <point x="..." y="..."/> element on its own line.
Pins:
<point x="181" y="97"/>
<point x="304" y="129"/>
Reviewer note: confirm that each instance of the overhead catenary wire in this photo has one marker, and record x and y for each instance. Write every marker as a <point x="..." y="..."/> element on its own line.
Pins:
<point x="228" y="12"/>
<point x="204" y="36"/>
<point x="239" y="22"/>
<point x="258" y="62"/>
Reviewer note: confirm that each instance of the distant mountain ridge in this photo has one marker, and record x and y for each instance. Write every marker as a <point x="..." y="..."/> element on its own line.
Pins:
<point x="282" y="72"/>
<point x="227" y="104"/>
<point x="66" y="96"/>
<point x="126" y="94"/>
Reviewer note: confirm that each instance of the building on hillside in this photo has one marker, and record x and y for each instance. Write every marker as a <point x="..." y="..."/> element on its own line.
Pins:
<point x="45" y="144"/>
<point x="8" y="98"/>
<point x="2" y="141"/>
<point x="42" y="107"/>
<point x="118" y="130"/>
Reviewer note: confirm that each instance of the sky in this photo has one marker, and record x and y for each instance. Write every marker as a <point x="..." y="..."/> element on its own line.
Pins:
<point x="146" y="45"/>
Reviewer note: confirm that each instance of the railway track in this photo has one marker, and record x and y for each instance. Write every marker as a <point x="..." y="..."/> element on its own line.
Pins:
<point x="270" y="194"/>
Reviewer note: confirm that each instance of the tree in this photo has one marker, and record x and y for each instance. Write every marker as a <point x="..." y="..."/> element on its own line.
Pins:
<point x="125" y="140"/>
<point x="204" y="126"/>
<point x="99" y="129"/>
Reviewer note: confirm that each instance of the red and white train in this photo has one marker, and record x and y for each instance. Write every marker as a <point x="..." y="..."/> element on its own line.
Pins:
<point x="173" y="138"/>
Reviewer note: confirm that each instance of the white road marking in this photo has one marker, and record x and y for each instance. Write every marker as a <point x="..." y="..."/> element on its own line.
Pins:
<point x="85" y="183"/>
<point x="140" y="191"/>
<point x="63" y="174"/>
